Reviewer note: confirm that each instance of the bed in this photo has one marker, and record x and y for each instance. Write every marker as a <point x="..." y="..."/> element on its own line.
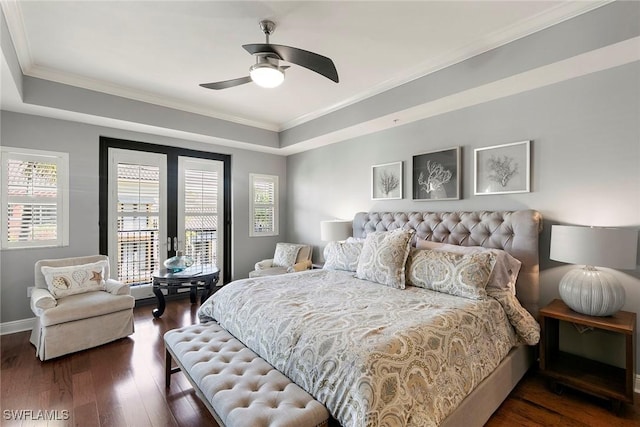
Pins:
<point x="377" y="353"/>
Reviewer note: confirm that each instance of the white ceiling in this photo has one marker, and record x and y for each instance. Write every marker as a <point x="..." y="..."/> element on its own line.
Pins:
<point x="159" y="51"/>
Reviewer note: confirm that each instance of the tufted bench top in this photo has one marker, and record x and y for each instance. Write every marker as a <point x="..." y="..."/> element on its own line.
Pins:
<point x="238" y="387"/>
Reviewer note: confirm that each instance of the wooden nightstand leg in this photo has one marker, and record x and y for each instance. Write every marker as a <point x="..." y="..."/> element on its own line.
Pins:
<point x="616" y="405"/>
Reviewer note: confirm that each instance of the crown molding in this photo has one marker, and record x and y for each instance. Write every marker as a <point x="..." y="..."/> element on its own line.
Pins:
<point x="541" y="21"/>
<point x="75" y="80"/>
<point x="15" y="22"/>
<point x="548" y="18"/>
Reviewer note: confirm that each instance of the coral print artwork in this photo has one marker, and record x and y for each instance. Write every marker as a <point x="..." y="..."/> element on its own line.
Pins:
<point x="436" y="175"/>
<point x="386" y="181"/>
<point x="502" y="169"/>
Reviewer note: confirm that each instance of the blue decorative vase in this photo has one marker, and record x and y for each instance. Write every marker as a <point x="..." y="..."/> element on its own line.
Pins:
<point x="178" y="263"/>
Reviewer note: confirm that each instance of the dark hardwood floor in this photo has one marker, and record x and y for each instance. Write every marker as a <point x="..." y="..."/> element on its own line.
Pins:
<point x="122" y="384"/>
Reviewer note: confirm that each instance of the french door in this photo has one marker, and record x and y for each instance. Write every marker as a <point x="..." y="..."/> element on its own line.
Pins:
<point x="160" y="201"/>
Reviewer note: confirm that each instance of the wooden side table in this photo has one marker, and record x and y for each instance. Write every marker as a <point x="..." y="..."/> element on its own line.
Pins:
<point x="194" y="278"/>
<point x="599" y="379"/>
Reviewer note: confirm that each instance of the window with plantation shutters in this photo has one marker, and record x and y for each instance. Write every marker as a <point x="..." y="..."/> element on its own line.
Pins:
<point x="263" y="205"/>
<point x="35" y="204"/>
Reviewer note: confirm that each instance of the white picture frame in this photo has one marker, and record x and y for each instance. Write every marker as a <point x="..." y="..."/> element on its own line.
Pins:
<point x="386" y="181"/>
<point x="502" y="169"/>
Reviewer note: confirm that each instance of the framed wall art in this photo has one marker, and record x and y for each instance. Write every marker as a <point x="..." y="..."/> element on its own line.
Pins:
<point x="436" y="175"/>
<point x="502" y="169"/>
<point x="386" y="181"/>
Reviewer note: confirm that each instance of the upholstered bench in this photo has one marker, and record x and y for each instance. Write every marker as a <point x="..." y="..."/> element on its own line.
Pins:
<point x="237" y="386"/>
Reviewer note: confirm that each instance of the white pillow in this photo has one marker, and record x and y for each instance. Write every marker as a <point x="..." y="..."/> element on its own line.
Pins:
<point x="506" y="269"/>
<point x="75" y="279"/>
<point x="286" y="254"/>
<point x="342" y="255"/>
<point x="383" y="257"/>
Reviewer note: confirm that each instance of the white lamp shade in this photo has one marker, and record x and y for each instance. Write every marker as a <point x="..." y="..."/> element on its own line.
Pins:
<point x="335" y="230"/>
<point x="602" y="247"/>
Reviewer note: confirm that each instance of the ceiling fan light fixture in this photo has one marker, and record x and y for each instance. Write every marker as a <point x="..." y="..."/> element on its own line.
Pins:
<point x="266" y="75"/>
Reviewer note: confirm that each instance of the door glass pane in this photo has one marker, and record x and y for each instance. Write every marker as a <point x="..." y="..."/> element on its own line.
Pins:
<point x="138" y="216"/>
<point x="200" y="213"/>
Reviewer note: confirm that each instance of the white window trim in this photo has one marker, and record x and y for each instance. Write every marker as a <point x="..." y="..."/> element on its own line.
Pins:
<point x="253" y="178"/>
<point x="62" y="162"/>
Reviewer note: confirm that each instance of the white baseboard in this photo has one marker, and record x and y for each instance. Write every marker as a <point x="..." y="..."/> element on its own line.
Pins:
<point x="17" y="326"/>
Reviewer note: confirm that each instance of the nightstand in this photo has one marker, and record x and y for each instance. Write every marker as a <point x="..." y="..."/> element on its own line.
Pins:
<point x="590" y="376"/>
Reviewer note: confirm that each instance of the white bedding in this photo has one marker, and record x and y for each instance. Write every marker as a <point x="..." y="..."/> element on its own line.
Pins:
<point x="373" y="355"/>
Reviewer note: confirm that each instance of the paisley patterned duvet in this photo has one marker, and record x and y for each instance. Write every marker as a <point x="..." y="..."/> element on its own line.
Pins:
<point x="373" y="355"/>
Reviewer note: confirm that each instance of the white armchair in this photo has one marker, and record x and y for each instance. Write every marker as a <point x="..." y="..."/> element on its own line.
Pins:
<point x="75" y="318"/>
<point x="288" y="258"/>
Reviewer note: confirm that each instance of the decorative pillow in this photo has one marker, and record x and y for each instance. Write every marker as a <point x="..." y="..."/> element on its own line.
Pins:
<point x="455" y="274"/>
<point x="355" y="240"/>
<point x="286" y="254"/>
<point x="342" y="256"/>
<point x="75" y="279"/>
<point x="505" y="272"/>
<point x="383" y="257"/>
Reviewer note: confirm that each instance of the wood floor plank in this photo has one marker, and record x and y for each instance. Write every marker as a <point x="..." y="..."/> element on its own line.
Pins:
<point x="121" y="384"/>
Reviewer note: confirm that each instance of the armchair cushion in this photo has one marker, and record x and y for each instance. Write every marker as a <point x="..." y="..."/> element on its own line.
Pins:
<point x="71" y="280"/>
<point x="86" y="305"/>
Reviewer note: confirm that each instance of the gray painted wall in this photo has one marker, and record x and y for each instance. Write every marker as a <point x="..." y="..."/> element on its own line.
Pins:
<point x="585" y="166"/>
<point x="81" y="142"/>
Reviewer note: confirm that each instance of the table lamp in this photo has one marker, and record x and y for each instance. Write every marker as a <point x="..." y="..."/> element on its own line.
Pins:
<point x="335" y="230"/>
<point x="588" y="290"/>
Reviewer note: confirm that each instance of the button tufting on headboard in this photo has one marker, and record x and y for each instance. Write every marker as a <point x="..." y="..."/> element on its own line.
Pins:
<point x="513" y="231"/>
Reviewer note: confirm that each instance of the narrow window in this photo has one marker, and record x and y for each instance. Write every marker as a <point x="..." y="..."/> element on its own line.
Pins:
<point x="263" y="205"/>
<point x="35" y="198"/>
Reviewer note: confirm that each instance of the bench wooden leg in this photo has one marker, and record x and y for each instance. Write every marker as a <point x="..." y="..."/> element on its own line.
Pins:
<point x="168" y="370"/>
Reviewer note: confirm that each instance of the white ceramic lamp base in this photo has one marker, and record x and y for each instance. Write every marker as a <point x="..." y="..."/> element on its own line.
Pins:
<point x="592" y="292"/>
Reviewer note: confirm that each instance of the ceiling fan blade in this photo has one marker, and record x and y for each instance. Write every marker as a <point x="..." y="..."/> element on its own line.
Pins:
<point x="227" y="83"/>
<point x="312" y="61"/>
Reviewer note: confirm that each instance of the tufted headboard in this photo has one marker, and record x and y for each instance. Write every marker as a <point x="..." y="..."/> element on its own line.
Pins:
<point x="515" y="232"/>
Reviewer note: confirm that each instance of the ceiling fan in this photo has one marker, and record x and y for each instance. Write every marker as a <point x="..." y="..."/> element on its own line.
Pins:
<point x="267" y="72"/>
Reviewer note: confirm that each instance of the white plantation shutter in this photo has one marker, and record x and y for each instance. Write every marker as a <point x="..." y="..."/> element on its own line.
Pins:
<point x="264" y="205"/>
<point x="201" y="188"/>
<point x="138" y="216"/>
<point x="34" y="198"/>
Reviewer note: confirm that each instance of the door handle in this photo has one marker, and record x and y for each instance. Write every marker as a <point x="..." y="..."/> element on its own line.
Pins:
<point x="175" y="244"/>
